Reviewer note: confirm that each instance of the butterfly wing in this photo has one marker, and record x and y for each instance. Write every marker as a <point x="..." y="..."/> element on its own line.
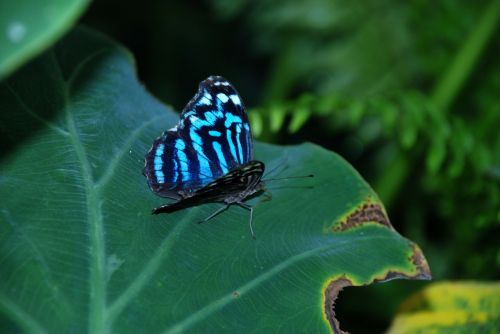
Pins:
<point x="212" y="137"/>
<point x="216" y="124"/>
<point x="172" y="168"/>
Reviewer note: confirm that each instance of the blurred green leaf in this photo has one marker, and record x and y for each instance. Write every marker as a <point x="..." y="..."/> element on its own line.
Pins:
<point x="29" y="27"/>
<point x="436" y="155"/>
<point x="80" y="251"/>
<point x="257" y="122"/>
<point x="459" y="70"/>
<point x="277" y="116"/>
<point x="451" y="307"/>
<point x="299" y="118"/>
<point x="329" y="46"/>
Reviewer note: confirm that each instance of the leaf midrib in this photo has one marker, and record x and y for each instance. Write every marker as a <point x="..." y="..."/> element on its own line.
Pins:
<point x="97" y="282"/>
<point x="101" y="317"/>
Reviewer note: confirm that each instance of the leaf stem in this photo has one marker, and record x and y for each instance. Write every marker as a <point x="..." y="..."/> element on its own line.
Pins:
<point x="460" y="69"/>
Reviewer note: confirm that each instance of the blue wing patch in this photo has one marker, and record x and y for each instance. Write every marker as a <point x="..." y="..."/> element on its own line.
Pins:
<point x="212" y="137"/>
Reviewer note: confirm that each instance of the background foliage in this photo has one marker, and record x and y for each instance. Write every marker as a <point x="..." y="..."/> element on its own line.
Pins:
<point x="405" y="91"/>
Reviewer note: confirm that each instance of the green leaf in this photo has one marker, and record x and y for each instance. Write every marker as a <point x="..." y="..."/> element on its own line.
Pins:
<point x="299" y="117"/>
<point x="30" y="27"/>
<point x="277" y="114"/>
<point x="80" y="251"/>
<point x="451" y="307"/>
<point x="257" y="122"/>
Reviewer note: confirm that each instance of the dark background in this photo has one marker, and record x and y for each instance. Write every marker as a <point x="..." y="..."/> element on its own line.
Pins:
<point x="406" y="92"/>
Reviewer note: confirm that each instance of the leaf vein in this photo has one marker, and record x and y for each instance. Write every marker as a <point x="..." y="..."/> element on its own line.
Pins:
<point x="23" y="319"/>
<point x="149" y="269"/>
<point x="64" y="305"/>
<point x="108" y="173"/>
<point x="216" y="305"/>
<point x="33" y="114"/>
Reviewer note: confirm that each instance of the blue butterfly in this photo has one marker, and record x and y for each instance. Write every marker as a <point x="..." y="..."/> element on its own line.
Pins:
<point x="208" y="155"/>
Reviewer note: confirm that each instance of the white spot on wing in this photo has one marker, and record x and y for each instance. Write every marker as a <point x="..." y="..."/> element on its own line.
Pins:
<point x="235" y="98"/>
<point x="221" y="83"/>
<point x="204" y="101"/>
<point x="223" y="97"/>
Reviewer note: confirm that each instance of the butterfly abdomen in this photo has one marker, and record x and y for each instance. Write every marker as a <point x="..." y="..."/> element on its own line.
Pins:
<point x="176" y="206"/>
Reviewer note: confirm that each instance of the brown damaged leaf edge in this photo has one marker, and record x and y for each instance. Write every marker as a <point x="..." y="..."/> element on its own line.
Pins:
<point x="368" y="212"/>
<point x="331" y="293"/>
<point x="420" y="263"/>
<point x="422" y="271"/>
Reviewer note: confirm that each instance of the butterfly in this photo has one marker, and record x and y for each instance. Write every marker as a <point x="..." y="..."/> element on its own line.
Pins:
<point x="208" y="156"/>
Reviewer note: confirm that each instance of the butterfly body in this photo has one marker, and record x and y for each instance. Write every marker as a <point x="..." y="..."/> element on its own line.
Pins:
<point x="233" y="188"/>
<point x="208" y="155"/>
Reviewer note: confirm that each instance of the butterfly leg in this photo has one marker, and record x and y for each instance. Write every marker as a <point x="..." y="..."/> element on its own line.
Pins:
<point x="224" y="208"/>
<point x="248" y="207"/>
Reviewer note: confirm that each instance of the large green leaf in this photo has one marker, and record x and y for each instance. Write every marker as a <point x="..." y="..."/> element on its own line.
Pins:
<point x="80" y="251"/>
<point x="29" y="26"/>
